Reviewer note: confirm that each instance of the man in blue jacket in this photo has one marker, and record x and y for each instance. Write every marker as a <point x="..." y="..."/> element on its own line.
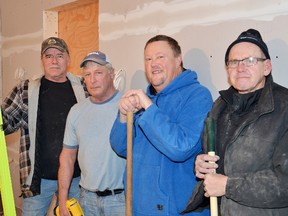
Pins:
<point x="168" y="121"/>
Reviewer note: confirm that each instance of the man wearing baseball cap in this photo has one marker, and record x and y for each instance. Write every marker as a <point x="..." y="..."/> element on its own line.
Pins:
<point x="86" y="136"/>
<point x="38" y="108"/>
<point x="251" y="137"/>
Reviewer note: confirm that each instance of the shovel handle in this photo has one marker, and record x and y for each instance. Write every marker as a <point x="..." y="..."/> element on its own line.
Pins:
<point x="129" y="164"/>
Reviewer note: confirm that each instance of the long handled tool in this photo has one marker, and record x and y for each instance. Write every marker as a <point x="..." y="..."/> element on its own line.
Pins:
<point x="129" y="164"/>
<point x="210" y="126"/>
<point x="5" y="178"/>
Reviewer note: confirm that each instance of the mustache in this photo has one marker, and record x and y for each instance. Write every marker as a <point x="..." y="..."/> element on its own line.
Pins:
<point x="54" y="66"/>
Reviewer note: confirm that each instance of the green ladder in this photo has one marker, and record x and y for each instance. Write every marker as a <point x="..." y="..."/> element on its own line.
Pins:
<point x="5" y="176"/>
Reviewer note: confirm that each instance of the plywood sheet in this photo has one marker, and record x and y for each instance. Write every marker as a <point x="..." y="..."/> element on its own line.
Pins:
<point x="78" y="26"/>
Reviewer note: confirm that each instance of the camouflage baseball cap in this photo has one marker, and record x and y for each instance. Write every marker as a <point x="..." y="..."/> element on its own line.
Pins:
<point x="54" y="42"/>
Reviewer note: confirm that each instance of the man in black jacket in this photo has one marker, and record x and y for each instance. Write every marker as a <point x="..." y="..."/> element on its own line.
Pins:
<point x="251" y="136"/>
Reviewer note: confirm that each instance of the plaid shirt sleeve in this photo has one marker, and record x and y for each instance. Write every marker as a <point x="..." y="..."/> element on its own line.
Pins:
<point x="15" y="117"/>
<point x="15" y="108"/>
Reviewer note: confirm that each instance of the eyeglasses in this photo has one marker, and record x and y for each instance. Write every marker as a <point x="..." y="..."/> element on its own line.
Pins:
<point x="247" y="62"/>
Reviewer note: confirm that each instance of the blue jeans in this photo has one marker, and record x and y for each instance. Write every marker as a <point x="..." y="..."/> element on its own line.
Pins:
<point x="39" y="205"/>
<point x="93" y="205"/>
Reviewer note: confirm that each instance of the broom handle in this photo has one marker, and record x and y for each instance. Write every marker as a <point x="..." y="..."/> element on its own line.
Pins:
<point x="213" y="200"/>
<point x="129" y="165"/>
<point x="211" y="140"/>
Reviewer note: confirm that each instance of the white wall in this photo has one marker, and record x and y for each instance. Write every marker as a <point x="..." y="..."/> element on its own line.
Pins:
<point x="20" y="41"/>
<point x="203" y="28"/>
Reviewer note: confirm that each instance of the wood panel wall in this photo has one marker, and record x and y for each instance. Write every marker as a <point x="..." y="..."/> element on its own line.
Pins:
<point x="78" y="26"/>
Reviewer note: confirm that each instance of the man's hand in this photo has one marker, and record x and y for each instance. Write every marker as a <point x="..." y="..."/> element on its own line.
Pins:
<point x="202" y="165"/>
<point x="133" y="101"/>
<point x="215" y="185"/>
<point x="63" y="211"/>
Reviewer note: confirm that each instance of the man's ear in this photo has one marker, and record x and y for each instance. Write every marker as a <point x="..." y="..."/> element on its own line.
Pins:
<point x="112" y="73"/>
<point x="179" y="60"/>
<point x="267" y="67"/>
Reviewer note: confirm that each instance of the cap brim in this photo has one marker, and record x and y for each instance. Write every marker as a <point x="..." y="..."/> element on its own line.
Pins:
<point x="56" y="47"/>
<point x="98" y="61"/>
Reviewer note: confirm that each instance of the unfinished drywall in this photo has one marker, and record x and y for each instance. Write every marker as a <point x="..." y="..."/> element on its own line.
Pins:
<point x="204" y="29"/>
<point x="21" y="37"/>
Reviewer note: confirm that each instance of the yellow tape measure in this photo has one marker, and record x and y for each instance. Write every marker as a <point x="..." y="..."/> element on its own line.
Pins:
<point x="5" y="178"/>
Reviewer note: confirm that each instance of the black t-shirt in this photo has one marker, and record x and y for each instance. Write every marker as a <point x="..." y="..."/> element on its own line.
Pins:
<point x="55" y="101"/>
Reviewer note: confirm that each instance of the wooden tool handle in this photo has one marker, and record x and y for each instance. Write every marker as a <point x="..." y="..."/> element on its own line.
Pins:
<point x="213" y="200"/>
<point x="129" y="164"/>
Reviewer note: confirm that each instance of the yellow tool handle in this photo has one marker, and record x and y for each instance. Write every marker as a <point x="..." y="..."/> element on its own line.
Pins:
<point x="73" y="207"/>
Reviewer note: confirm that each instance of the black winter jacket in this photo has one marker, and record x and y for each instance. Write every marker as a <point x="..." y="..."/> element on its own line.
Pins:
<point x="254" y="155"/>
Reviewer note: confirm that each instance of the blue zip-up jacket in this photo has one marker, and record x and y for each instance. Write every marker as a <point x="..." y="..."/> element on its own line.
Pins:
<point x="166" y="139"/>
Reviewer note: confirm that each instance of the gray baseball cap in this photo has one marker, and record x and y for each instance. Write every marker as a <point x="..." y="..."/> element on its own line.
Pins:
<point x="96" y="56"/>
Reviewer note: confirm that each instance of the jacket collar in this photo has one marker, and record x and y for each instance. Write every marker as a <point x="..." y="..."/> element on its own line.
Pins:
<point x="185" y="78"/>
<point x="265" y="104"/>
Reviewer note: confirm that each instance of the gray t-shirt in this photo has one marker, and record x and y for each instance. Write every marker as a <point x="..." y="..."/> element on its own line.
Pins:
<point x="88" y="128"/>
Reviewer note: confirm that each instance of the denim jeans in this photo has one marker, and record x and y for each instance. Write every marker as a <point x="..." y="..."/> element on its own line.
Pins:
<point x="39" y="205"/>
<point x="93" y="205"/>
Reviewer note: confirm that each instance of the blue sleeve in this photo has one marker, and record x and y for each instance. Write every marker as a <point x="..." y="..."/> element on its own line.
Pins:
<point x="177" y="134"/>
